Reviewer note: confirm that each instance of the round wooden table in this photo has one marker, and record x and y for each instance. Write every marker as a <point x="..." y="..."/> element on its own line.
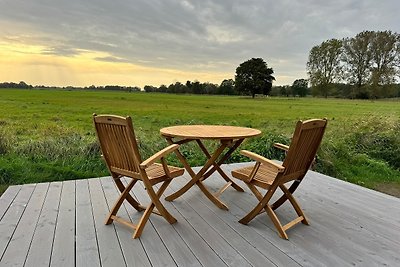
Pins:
<point x="229" y="137"/>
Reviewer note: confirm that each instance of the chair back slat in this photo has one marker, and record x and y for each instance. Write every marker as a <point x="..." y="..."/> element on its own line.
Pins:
<point x="118" y="143"/>
<point x="304" y="146"/>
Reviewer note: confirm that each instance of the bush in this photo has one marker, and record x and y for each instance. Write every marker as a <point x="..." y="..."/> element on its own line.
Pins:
<point x="4" y="143"/>
<point x="379" y="139"/>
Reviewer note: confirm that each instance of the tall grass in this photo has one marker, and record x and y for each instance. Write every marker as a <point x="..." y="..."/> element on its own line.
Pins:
<point x="48" y="135"/>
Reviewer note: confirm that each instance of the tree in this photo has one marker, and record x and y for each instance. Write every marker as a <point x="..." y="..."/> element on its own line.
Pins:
<point x="163" y="88"/>
<point x="253" y="77"/>
<point x="385" y="56"/>
<point x="324" y="66"/>
<point x="209" y="88"/>
<point x="197" y="87"/>
<point x="285" y="90"/>
<point x="300" y="87"/>
<point x="357" y="58"/>
<point x="227" y="87"/>
<point x="177" y="88"/>
<point x="149" y="88"/>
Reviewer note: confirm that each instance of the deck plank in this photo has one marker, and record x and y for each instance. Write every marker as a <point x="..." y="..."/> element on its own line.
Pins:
<point x="376" y="246"/>
<point x="338" y="235"/>
<point x="203" y="252"/>
<point x="26" y="209"/>
<point x="61" y="224"/>
<point x="214" y="239"/>
<point x="248" y="239"/>
<point x="42" y="242"/>
<point x="7" y="198"/>
<point x="174" y="243"/>
<point x="87" y="251"/>
<point x="107" y="239"/>
<point x="349" y="198"/>
<point x="64" y="237"/>
<point x="152" y="242"/>
<point x="134" y="252"/>
<point x="302" y="242"/>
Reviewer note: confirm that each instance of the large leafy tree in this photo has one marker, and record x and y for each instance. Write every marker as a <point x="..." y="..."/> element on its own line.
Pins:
<point x="324" y="66"/>
<point x="385" y="56"/>
<point x="253" y="77"/>
<point x="357" y="58"/>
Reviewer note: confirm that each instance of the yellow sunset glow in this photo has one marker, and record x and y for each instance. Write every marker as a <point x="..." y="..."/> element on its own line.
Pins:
<point x="30" y="63"/>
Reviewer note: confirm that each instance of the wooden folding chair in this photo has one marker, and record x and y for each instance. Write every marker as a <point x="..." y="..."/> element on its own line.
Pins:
<point x="270" y="175"/>
<point x="121" y="154"/>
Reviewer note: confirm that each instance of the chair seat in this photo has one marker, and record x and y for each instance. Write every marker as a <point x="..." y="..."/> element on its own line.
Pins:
<point x="156" y="172"/>
<point x="264" y="177"/>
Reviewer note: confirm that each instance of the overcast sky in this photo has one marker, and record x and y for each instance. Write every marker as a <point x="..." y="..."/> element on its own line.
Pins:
<point x="135" y="42"/>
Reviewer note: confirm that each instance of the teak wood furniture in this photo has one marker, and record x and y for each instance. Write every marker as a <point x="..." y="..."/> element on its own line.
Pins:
<point x="120" y="152"/>
<point x="270" y="175"/>
<point x="229" y="137"/>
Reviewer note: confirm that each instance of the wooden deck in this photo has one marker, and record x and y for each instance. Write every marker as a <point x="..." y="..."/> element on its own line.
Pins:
<point x="61" y="224"/>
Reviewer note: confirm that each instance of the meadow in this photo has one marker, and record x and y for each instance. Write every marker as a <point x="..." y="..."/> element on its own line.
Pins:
<point x="47" y="135"/>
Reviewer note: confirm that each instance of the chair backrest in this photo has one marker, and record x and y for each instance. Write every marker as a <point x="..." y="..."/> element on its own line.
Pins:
<point x="303" y="148"/>
<point x="118" y="144"/>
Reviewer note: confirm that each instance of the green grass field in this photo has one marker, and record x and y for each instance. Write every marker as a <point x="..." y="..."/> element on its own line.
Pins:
<point x="48" y="135"/>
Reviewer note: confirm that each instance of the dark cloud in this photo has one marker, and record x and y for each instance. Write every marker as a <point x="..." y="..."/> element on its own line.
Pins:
<point x="200" y="35"/>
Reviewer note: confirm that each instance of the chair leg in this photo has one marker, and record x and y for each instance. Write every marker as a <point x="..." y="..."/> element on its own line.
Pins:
<point x="155" y="197"/>
<point x="155" y="203"/>
<point x="263" y="204"/>
<point x="129" y="198"/>
<point x="143" y="220"/>
<point x="120" y="200"/>
<point x="295" y="204"/>
<point x="283" y="198"/>
<point x="276" y="222"/>
<point x="260" y="206"/>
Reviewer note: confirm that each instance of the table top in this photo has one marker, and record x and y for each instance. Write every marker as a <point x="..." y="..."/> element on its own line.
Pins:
<point x="209" y="132"/>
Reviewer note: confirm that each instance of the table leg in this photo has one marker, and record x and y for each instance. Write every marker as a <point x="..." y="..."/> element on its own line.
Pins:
<point x="217" y="165"/>
<point x="182" y="158"/>
<point x="196" y="177"/>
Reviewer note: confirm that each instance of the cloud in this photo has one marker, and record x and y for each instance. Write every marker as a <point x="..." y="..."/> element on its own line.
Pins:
<point x="61" y="50"/>
<point x="111" y="59"/>
<point x="199" y="36"/>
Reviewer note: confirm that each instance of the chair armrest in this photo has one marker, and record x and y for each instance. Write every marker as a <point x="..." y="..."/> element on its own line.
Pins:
<point x="263" y="160"/>
<point x="157" y="156"/>
<point x="281" y="146"/>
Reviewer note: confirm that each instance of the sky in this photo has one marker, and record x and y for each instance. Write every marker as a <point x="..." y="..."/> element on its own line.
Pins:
<point x="149" y="42"/>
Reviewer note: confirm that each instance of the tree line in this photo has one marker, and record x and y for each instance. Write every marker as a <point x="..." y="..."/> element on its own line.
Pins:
<point x="227" y="87"/>
<point x="364" y="66"/>
<point x="252" y="77"/>
<point x="24" y="85"/>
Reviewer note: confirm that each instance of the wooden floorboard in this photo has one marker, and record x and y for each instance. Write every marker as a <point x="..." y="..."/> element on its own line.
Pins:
<point x="28" y="205"/>
<point x="153" y="244"/>
<point x="62" y="224"/>
<point x="63" y="253"/>
<point x="107" y="239"/>
<point x="86" y="247"/>
<point x="7" y="199"/>
<point x="134" y="252"/>
<point x="176" y="246"/>
<point x="42" y="241"/>
<point x="234" y="233"/>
